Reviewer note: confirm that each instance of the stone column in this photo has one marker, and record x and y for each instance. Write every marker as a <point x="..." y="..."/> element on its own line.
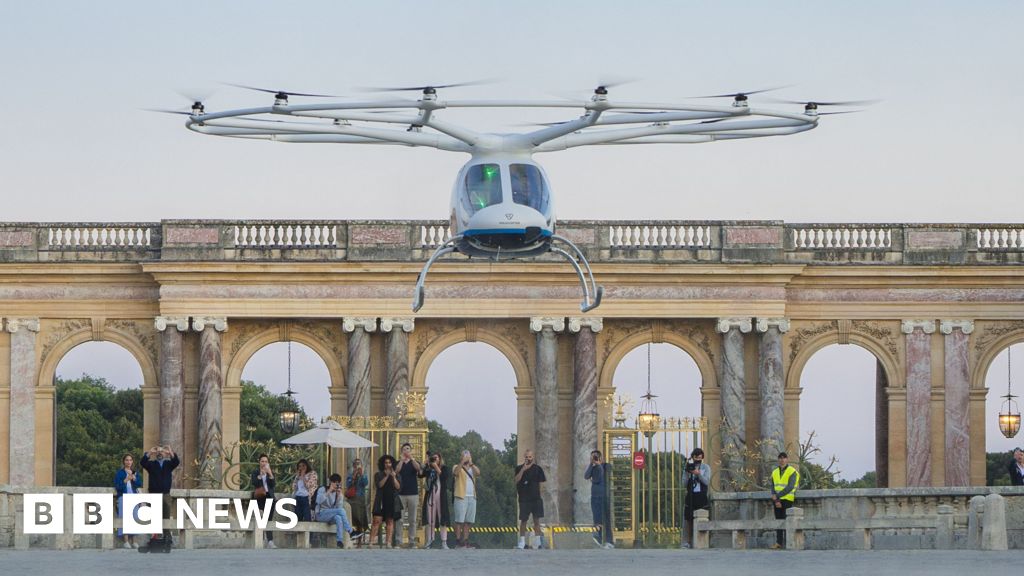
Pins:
<point x="172" y="383"/>
<point x="396" y="369"/>
<point x="23" y="401"/>
<point x="919" y="390"/>
<point x="771" y="385"/>
<point x="357" y="377"/>
<point x="545" y="409"/>
<point x="584" y="421"/>
<point x="211" y="383"/>
<point x="881" y="426"/>
<point x="958" y="388"/>
<point x="733" y="388"/>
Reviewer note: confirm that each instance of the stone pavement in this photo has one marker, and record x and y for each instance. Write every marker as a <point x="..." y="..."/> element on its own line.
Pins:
<point x="506" y="562"/>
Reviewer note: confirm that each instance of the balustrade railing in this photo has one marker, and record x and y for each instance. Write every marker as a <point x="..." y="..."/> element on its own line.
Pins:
<point x="1009" y="238"/>
<point x="285" y="234"/>
<point x="835" y="237"/>
<point x="433" y="235"/>
<point x="93" y="236"/>
<point x="654" y="236"/>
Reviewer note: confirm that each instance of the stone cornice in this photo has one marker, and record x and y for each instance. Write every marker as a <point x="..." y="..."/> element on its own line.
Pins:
<point x="29" y="324"/>
<point x="908" y="326"/>
<point x="162" y="322"/>
<point x="539" y="323"/>
<point x="947" y="326"/>
<point x="219" y="323"/>
<point x="406" y="323"/>
<point x="781" y="323"/>
<point x="725" y="324"/>
<point x="577" y="323"/>
<point x="350" y="323"/>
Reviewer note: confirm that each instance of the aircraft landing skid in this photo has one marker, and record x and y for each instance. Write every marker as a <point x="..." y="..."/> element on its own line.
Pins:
<point x="592" y="293"/>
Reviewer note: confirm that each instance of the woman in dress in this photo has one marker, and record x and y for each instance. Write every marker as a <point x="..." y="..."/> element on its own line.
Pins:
<point x="386" y="483"/>
<point x="435" y="504"/>
<point x="303" y="488"/>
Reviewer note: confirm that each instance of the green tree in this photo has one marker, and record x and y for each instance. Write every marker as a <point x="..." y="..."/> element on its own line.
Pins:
<point x="260" y="413"/>
<point x="868" y="480"/>
<point x="995" y="468"/>
<point x="96" y="425"/>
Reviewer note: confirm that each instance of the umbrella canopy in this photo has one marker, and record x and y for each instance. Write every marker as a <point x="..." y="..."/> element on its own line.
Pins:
<point x="332" y="434"/>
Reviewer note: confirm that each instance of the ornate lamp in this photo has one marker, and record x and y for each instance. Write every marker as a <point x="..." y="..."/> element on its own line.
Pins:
<point x="647" y="421"/>
<point x="1009" y="416"/>
<point x="289" y="414"/>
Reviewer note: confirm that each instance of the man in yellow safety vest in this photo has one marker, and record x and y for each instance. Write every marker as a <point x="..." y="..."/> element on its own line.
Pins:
<point x="785" y="480"/>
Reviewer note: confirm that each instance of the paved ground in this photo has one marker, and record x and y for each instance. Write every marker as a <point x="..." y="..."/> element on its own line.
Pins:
<point x="507" y="562"/>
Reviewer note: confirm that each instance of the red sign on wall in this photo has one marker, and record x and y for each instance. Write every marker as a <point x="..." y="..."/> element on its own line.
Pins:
<point x="639" y="460"/>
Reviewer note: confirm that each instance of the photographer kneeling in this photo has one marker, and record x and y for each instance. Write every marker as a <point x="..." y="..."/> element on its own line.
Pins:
<point x="697" y="479"/>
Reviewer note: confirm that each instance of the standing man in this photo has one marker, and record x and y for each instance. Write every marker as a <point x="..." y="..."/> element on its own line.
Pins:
<point x="408" y="471"/>
<point x="160" y="462"/>
<point x="697" y="479"/>
<point x="529" y="477"/>
<point x="785" y="480"/>
<point x="1016" y="468"/>
<point x="597" y="473"/>
<point x="466" y="475"/>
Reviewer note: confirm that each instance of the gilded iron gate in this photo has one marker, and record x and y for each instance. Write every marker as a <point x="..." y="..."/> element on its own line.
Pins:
<point x="659" y="484"/>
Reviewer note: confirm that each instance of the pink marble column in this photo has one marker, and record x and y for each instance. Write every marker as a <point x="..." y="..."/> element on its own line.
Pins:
<point x="957" y="383"/>
<point x="396" y="345"/>
<point x="545" y="410"/>
<point x="584" y="423"/>
<point x="357" y="377"/>
<point x="734" y="394"/>
<point x="23" y="400"/>
<point x="172" y="383"/>
<point x="211" y="383"/>
<point x="771" y="384"/>
<point x="919" y="391"/>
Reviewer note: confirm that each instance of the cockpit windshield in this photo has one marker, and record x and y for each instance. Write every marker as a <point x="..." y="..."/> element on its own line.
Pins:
<point x="483" y="187"/>
<point x="529" y="187"/>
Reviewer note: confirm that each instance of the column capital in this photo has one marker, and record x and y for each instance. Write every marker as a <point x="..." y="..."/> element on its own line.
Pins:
<point x="965" y="326"/>
<point x="781" y="323"/>
<point x="577" y="323"/>
<point x="219" y="323"/>
<point x="367" y="323"/>
<point x="406" y="323"/>
<point x="908" y="326"/>
<point x="15" y="324"/>
<point x="725" y="324"/>
<point x="539" y="323"/>
<point x="162" y="322"/>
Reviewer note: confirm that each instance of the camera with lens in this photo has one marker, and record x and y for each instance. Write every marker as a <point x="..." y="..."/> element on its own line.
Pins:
<point x="691" y="465"/>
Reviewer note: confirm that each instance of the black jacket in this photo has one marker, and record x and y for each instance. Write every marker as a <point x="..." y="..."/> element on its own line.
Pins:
<point x="254" y="479"/>
<point x="1016" y="478"/>
<point x="159" y="476"/>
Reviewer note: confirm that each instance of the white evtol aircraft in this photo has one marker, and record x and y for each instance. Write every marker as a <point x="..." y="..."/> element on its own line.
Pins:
<point x="501" y="202"/>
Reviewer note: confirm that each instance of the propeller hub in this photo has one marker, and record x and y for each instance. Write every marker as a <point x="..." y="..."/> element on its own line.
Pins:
<point x="601" y="91"/>
<point x="740" y="101"/>
<point x="281" y="99"/>
<point x="429" y="90"/>
<point x="810" y="106"/>
<point x="198" y="108"/>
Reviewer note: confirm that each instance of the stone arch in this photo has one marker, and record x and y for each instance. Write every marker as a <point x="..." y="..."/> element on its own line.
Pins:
<point x="508" y="349"/>
<point x="705" y="365"/>
<point x="46" y="396"/>
<point x="877" y="349"/>
<point x="235" y="364"/>
<point x="988" y="355"/>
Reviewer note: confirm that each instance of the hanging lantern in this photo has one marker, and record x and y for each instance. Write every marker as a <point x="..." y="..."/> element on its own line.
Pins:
<point x="1009" y="416"/>
<point x="290" y="415"/>
<point x="648" y="419"/>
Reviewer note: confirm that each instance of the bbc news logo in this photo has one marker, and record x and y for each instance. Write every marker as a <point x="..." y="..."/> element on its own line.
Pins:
<point x="143" y="514"/>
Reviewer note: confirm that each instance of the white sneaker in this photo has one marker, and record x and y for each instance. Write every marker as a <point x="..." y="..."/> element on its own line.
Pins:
<point x="126" y="545"/>
<point x="270" y="544"/>
<point x="609" y="546"/>
<point x="444" y="545"/>
<point x="522" y="544"/>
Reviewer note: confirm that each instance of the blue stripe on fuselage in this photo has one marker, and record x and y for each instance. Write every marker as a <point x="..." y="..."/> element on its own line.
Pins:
<point x="479" y="232"/>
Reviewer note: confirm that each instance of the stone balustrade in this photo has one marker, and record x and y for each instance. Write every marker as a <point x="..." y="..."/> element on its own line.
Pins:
<point x="601" y="240"/>
<point x="894" y="517"/>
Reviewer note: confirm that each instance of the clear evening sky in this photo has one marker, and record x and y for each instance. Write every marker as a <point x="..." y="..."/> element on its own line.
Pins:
<point x="942" y="146"/>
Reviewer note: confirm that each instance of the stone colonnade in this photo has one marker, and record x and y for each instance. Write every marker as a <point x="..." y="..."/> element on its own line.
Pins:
<point x="932" y="398"/>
